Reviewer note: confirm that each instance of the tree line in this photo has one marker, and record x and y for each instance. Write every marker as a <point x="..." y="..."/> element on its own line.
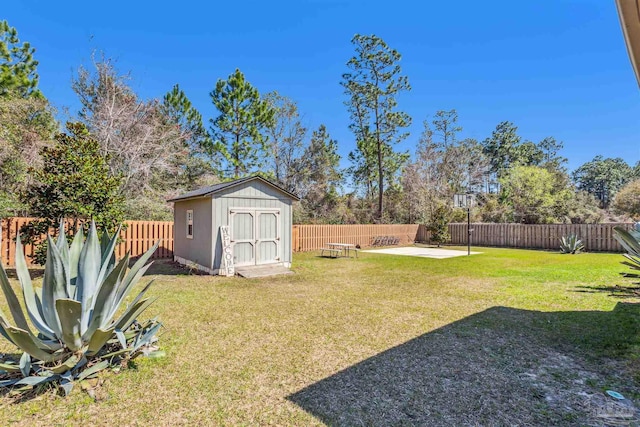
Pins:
<point x="122" y="156"/>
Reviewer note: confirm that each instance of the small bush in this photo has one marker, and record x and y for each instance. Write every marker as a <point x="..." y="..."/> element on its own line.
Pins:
<point x="571" y="244"/>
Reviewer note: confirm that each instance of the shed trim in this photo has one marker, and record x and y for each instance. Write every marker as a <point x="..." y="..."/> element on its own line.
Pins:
<point x="209" y="191"/>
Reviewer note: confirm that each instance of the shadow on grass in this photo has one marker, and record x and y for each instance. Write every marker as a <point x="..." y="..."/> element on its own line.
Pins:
<point x="616" y="291"/>
<point x="502" y="366"/>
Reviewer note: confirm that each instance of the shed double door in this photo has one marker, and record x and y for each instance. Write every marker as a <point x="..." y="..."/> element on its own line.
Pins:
<point x="255" y="236"/>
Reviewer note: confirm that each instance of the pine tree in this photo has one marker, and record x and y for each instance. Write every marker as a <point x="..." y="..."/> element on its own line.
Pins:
<point x="241" y="123"/>
<point x="372" y="85"/>
<point x="321" y="177"/>
<point x="18" y="76"/>
<point x="204" y="157"/>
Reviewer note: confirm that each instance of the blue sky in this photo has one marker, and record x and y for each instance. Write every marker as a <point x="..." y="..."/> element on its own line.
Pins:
<point x="553" y="67"/>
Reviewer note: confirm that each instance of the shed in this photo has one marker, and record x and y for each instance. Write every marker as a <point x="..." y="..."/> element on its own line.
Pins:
<point x="257" y="212"/>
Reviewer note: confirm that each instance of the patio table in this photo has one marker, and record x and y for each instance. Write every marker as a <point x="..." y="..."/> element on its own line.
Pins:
<point x="346" y="248"/>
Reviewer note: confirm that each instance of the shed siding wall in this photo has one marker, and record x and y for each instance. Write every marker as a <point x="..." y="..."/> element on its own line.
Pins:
<point x="197" y="249"/>
<point x="252" y="195"/>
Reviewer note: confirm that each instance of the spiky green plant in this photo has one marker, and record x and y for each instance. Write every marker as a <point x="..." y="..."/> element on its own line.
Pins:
<point x="571" y="244"/>
<point x="76" y="330"/>
<point x="630" y="241"/>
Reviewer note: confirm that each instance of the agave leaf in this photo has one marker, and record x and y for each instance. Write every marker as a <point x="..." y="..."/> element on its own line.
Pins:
<point x="35" y="380"/>
<point x="124" y="288"/>
<point x="146" y="337"/>
<point x="106" y="295"/>
<point x="66" y="385"/>
<point x="54" y="285"/>
<point x="3" y="332"/>
<point x="50" y="345"/>
<point x="70" y="313"/>
<point x="107" y="246"/>
<point x="140" y="295"/>
<point x="98" y="340"/>
<point x="7" y="383"/>
<point x="67" y="365"/>
<point x="25" y="364"/>
<point x="628" y="242"/>
<point x="93" y="370"/>
<point x="88" y="271"/>
<point x="12" y="301"/>
<point x="83" y="361"/>
<point x="31" y="300"/>
<point x="122" y="339"/>
<point x="132" y="312"/>
<point x="63" y="248"/>
<point x="133" y="276"/>
<point x="27" y="343"/>
<point x="4" y="325"/>
<point x="74" y="259"/>
<point x="9" y="368"/>
<point x="116" y="353"/>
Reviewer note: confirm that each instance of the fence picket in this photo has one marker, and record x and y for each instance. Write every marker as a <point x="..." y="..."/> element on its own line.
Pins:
<point x="136" y="237"/>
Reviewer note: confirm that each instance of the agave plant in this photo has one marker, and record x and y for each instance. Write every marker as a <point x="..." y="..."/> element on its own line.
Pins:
<point x="78" y="327"/>
<point x="630" y="241"/>
<point x="571" y="244"/>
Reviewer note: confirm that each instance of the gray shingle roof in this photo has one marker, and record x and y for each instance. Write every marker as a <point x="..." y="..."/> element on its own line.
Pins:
<point x="212" y="189"/>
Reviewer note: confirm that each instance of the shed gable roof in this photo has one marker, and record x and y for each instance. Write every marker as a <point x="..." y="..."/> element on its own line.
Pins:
<point x="212" y="189"/>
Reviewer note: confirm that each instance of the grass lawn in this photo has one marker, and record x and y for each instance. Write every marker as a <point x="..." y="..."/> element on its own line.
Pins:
<point x="507" y="337"/>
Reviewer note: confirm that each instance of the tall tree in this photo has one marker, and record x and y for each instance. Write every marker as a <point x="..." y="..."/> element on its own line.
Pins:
<point x="461" y="165"/>
<point x="603" y="177"/>
<point x="74" y="183"/>
<point x="445" y="125"/>
<point x="144" y="146"/>
<point x="18" y="76"/>
<point x="204" y="158"/>
<point x="372" y="85"/>
<point x="286" y="141"/>
<point x="320" y="177"/>
<point x="551" y="158"/>
<point x="241" y="124"/>
<point x="501" y="148"/>
<point x="528" y="153"/>
<point x="422" y="180"/>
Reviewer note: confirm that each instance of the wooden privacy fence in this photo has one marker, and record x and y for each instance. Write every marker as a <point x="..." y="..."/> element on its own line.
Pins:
<point x="596" y="237"/>
<point x="137" y="237"/>
<point x="313" y="237"/>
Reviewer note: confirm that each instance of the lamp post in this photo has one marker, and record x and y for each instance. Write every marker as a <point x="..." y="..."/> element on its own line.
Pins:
<point x="469" y="230"/>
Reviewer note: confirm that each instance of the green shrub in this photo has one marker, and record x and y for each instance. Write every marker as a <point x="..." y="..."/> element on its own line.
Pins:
<point x="439" y="225"/>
